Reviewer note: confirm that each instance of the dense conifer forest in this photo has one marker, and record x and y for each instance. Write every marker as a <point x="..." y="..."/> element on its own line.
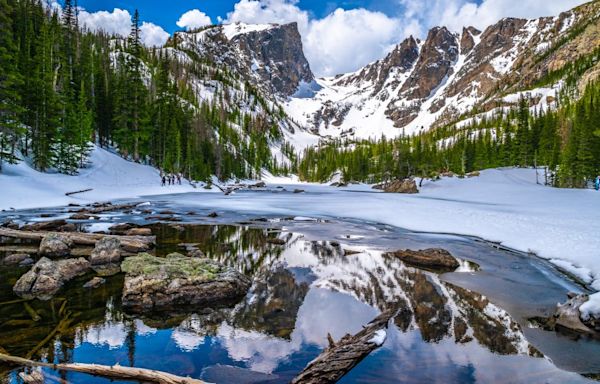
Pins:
<point x="63" y="88"/>
<point x="565" y="139"/>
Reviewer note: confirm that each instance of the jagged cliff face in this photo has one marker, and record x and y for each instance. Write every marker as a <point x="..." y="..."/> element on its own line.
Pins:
<point x="270" y="56"/>
<point x="424" y="84"/>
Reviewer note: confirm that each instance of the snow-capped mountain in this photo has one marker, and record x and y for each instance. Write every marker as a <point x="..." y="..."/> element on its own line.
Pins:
<point x="419" y="85"/>
<point x="423" y="84"/>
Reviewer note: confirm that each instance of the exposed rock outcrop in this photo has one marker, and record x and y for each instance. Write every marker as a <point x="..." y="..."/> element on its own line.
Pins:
<point x="47" y="277"/>
<point x="177" y="282"/>
<point x="408" y="186"/>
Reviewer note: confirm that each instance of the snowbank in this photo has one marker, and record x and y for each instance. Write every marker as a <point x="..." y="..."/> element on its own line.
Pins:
<point x="110" y="177"/>
<point x="505" y="206"/>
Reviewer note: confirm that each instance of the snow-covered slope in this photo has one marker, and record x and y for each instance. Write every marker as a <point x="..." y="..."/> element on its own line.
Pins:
<point x="110" y="177"/>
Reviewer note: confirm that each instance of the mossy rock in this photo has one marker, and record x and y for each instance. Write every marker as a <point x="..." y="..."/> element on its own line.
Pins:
<point x="175" y="265"/>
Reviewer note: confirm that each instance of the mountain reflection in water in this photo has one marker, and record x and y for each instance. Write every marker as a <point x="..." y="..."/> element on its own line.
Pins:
<point x="302" y="291"/>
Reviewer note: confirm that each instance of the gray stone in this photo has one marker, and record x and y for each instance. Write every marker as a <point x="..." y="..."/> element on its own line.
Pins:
<point x="47" y="277"/>
<point x="106" y="251"/>
<point x="54" y="245"/>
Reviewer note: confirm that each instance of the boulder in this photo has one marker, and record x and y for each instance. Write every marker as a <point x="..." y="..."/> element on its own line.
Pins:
<point x="177" y="281"/>
<point x="94" y="283"/>
<point x="473" y="174"/>
<point x="106" y="251"/>
<point x="568" y="316"/>
<point x="213" y="214"/>
<point x="408" y="186"/>
<point x="15" y="259"/>
<point x="433" y="258"/>
<point x="54" y="245"/>
<point x="298" y="190"/>
<point x="47" y="277"/>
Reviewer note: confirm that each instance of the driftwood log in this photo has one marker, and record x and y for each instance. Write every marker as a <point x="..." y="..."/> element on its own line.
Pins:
<point x="128" y="243"/>
<point x="77" y="192"/>
<point x="112" y="372"/>
<point x="339" y="358"/>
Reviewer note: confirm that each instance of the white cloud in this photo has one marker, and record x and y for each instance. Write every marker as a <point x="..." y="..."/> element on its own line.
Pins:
<point x="193" y="19"/>
<point x="118" y="22"/>
<point x="346" y="40"/>
<point x="153" y="35"/>
<point x="458" y="13"/>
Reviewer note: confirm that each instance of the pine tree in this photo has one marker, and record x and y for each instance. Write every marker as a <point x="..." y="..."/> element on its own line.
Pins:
<point x="10" y="80"/>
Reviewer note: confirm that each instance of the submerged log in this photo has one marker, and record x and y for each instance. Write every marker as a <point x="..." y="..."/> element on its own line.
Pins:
<point x="339" y="358"/>
<point x="129" y="243"/>
<point x="113" y="372"/>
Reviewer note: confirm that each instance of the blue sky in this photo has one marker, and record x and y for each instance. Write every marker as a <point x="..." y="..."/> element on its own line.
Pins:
<point x="167" y="13"/>
<point x="338" y="36"/>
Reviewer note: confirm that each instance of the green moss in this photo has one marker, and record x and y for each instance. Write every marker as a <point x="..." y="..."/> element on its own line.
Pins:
<point x="174" y="265"/>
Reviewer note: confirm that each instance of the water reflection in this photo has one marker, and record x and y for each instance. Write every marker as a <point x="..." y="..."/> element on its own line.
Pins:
<point x="302" y="291"/>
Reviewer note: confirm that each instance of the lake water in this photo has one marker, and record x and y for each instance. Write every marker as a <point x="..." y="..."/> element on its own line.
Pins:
<point x="330" y="277"/>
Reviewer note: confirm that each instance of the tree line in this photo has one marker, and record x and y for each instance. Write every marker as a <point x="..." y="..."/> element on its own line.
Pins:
<point x="565" y="139"/>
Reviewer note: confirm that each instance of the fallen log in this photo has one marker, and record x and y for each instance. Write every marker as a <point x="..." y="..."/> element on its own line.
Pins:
<point x="113" y="372"/>
<point x="339" y="358"/>
<point x="128" y="243"/>
<point x="77" y="192"/>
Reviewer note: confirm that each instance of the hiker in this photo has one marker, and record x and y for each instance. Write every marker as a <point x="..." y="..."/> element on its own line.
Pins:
<point x="170" y="179"/>
<point x="179" y="178"/>
<point x="597" y="184"/>
<point x="163" y="180"/>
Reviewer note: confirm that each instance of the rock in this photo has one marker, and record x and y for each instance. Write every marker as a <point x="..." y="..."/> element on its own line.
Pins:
<point x="167" y="212"/>
<point x="432" y="258"/>
<point x="69" y="227"/>
<point x="177" y="281"/>
<point x="568" y="317"/>
<point x="81" y="216"/>
<point x="299" y="191"/>
<point x="53" y="225"/>
<point x="213" y="214"/>
<point x="47" y="277"/>
<point x="106" y="251"/>
<point x="399" y="186"/>
<point x="139" y="232"/>
<point x="473" y="174"/>
<point x="26" y="262"/>
<point x="94" y="283"/>
<point x="15" y="259"/>
<point x="54" y="245"/>
<point x="196" y="253"/>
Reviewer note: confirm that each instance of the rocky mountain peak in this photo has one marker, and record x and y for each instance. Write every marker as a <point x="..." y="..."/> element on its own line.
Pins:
<point x="467" y="41"/>
<point x="270" y="56"/>
<point x="276" y="56"/>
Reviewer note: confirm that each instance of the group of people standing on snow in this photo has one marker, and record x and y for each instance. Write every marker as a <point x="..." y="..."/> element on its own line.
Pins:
<point x="170" y="179"/>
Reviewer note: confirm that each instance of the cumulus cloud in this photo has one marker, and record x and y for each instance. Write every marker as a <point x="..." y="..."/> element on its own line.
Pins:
<point x="118" y="22"/>
<point x="153" y="35"/>
<point x="193" y="19"/>
<point x="346" y="40"/>
<point x="456" y="14"/>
